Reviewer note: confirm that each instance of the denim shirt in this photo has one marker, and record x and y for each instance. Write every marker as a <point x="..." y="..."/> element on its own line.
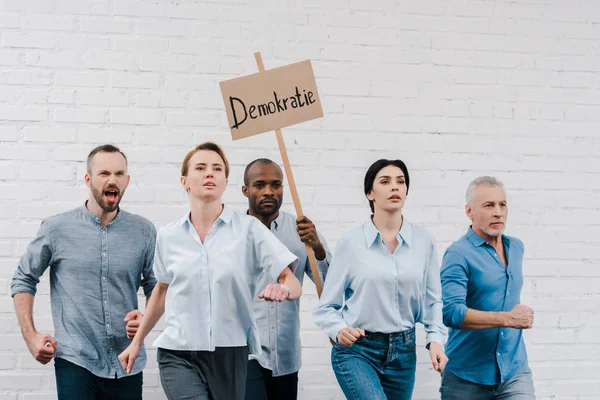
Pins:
<point x="95" y="274"/>
<point x="279" y="323"/>
<point x="473" y="276"/>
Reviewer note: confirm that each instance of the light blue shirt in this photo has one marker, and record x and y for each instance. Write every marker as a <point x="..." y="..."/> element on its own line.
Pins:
<point x="212" y="284"/>
<point x="473" y="276"/>
<point x="95" y="273"/>
<point x="370" y="288"/>
<point x="279" y="323"/>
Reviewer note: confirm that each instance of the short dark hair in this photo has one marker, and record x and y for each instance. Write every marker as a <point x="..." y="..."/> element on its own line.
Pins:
<point x="265" y="161"/>
<point x="378" y="166"/>
<point x="210" y="146"/>
<point x="104" y="148"/>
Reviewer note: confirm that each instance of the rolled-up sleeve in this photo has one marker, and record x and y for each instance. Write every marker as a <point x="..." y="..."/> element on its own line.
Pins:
<point x="322" y="265"/>
<point x="148" y="279"/>
<point x="432" y="305"/>
<point x="271" y="254"/>
<point x="34" y="262"/>
<point x="455" y="280"/>
<point x="327" y="315"/>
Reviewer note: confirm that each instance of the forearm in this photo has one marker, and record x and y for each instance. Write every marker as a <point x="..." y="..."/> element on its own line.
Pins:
<point x="24" y="308"/>
<point x="293" y="283"/>
<point x="478" y="320"/>
<point x="155" y="308"/>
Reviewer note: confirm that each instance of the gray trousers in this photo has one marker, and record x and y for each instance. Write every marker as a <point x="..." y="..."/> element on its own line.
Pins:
<point x="519" y="387"/>
<point x="204" y="375"/>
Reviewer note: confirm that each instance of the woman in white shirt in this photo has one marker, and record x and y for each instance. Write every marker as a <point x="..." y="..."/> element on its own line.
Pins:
<point x="206" y="265"/>
<point x="384" y="277"/>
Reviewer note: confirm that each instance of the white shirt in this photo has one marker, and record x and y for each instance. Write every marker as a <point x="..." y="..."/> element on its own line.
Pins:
<point x="212" y="285"/>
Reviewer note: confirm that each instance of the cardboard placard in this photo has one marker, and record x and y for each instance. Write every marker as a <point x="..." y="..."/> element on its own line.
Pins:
<point x="271" y="100"/>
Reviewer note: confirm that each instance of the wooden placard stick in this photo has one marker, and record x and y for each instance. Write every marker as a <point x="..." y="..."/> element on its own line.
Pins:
<point x="290" y="176"/>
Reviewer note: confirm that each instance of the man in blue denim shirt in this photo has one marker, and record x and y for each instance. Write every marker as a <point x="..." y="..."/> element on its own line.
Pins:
<point x="482" y="278"/>
<point x="98" y="255"/>
<point x="273" y="374"/>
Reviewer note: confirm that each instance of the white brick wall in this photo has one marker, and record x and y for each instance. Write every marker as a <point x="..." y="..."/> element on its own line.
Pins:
<point x="456" y="88"/>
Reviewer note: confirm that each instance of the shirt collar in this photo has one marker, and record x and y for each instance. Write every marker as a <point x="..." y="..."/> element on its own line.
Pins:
<point x="276" y="223"/>
<point x="477" y="240"/>
<point x="94" y="218"/>
<point x="404" y="236"/>
<point x="183" y="220"/>
<point x="225" y="216"/>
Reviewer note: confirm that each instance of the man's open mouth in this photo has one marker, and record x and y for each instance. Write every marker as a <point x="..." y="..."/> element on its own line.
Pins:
<point x="111" y="194"/>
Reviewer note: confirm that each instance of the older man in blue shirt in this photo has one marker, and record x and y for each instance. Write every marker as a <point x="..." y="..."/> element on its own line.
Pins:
<point x="482" y="278"/>
<point x="98" y="256"/>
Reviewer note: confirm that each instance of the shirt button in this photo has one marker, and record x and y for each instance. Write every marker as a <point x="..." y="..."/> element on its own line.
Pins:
<point x="105" y="301"/>
<point x="501" y="333"/>
<point x="103" y="278"/>
<point x="498" y="354"/>
<point x="108" y="325"/>
<point x="103" y="254"/>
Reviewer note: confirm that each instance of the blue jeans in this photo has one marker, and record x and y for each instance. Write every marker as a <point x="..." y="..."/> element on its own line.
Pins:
<point x="519" y="387"/>
<point x="377" y="366"/>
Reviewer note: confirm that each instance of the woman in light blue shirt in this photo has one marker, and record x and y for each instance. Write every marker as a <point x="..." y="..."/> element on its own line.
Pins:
<point x="206" y="265"/>
<point x="384" y="278"/>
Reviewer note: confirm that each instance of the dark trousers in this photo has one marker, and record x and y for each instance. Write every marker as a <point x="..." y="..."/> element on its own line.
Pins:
<point x="74" y="383"/>
<point x="204" y="375"/>
<point x="262" y="385"/>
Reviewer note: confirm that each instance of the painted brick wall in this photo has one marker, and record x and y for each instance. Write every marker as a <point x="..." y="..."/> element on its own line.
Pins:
<point x="456" y="88"/>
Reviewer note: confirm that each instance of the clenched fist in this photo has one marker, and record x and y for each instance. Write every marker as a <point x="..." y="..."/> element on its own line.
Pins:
<point x="347" y="336"/>
<point x="42" y="347"/>
<point x="520" y="317"/>
<point x="275" y="292"/>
